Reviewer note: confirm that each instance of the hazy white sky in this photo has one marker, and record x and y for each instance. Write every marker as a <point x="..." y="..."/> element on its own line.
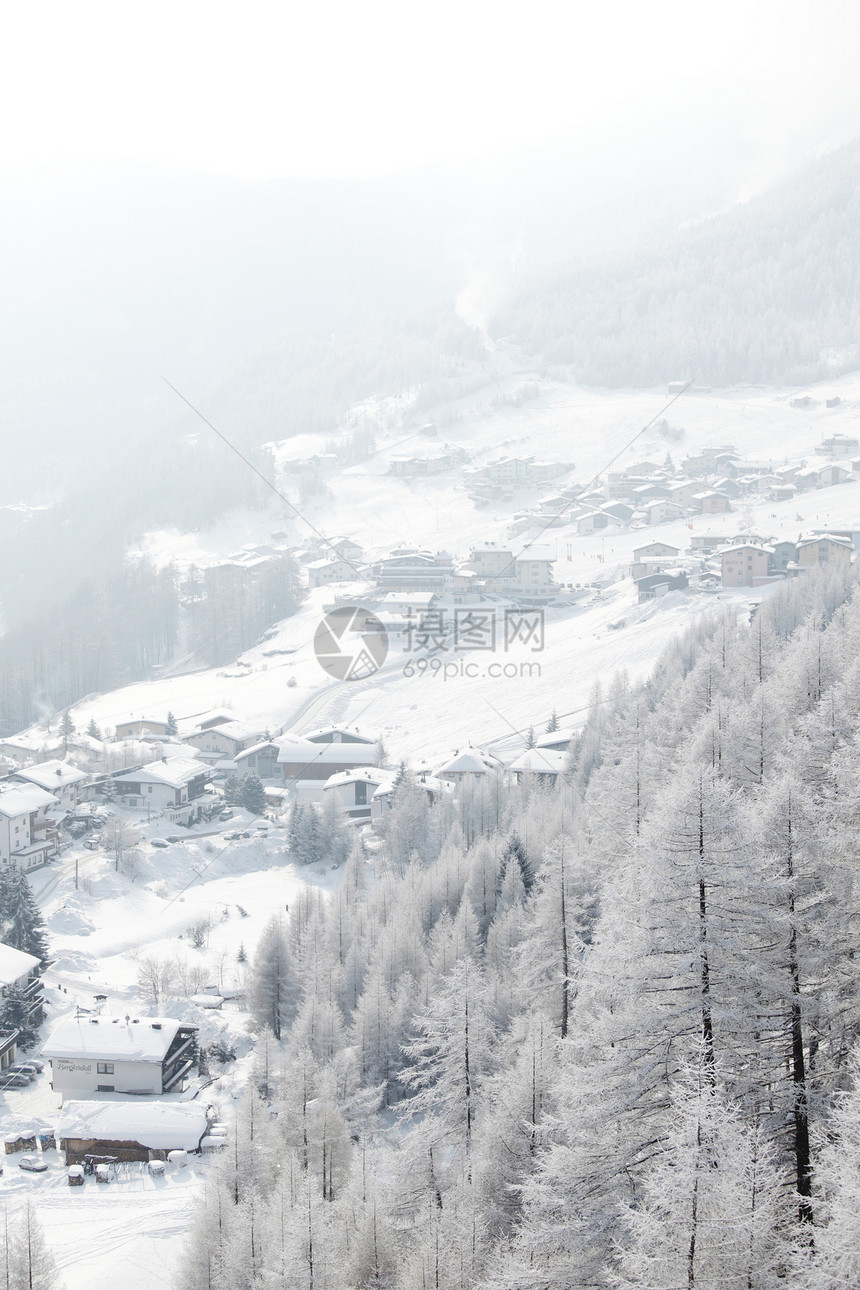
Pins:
<point x="264" y="89"/>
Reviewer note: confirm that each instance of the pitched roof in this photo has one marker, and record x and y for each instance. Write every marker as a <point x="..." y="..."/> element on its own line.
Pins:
<point x="826" y="537"/>
<point x="539" y="761"/>
<point x="321" y="735"/>
<point x="302" y="750"/>
<point x="469" y="762"/>
<point x="23" y="799"/>
<point x="174" y="772"/>
<point x="362" y="774"/>
<point x="51" y="774"/>
<point x="144" y="1039"/>
<point x="15" y="964"/>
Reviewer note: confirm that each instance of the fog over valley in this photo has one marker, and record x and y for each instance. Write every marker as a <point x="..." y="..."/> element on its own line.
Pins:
<point x="428" y="647"/>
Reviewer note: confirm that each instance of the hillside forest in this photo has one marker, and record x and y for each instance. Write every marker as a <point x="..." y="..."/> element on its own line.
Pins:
<point x="601" y="1034"/>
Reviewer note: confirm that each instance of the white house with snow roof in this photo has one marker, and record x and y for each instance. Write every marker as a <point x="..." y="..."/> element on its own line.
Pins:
<point x="543" y="763"/>
<point x="28" y="837"/>
<point x="176" y="786"/>
<point x="104" y="1054"/>
<point x="25" y="746"/>
<point x="353" y="790"/>
<point x="65" y="782"/>
<point x="130" y="1131"/>
<point x="467" y="764"/>
<point x="224" y="740"/>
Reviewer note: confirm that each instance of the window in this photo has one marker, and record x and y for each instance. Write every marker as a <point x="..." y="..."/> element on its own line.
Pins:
<point x="104" y="1068"/>
<point x="104" y="1088"/>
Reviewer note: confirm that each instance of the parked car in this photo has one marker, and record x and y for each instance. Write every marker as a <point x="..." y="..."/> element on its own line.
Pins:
<point x="36" y="1063"/>
<point x="23" y="1068"/>
<point x="231" y="836"/>
<point x="226" y="815"/>
<point x="174" y="837"/>
<point x="13" y="1080"/>
<point x="158" y="842"/>
<point x="92" y="844"/>
<point x="33" y="1164"/>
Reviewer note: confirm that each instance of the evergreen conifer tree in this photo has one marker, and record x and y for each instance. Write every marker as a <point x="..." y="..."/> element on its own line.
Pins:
<point x="252" y="793"/>
<point x="67" y="729"/>
<point x="21" y="923"/>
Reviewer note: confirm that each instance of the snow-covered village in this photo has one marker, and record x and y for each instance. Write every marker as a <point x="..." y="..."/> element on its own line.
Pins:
<point x="430" y="656"/>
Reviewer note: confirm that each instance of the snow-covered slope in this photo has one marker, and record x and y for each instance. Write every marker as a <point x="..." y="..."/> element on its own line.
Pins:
<point x="427" y="714"/>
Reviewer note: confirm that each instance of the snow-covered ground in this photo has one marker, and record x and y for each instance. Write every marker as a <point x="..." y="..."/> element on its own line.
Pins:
<point x="102" y="924"/>
<point x="431" y="714"/>
<point x="100" y="932"/>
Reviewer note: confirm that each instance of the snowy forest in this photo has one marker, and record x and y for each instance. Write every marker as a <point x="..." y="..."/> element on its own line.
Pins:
<point x="115" y="630"/>
<point x="596" y="1035"/>
<point x="753" y="294"/>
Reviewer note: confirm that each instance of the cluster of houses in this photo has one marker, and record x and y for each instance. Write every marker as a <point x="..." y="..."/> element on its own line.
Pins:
<point x="746" y="560"/>
<point x="91" y="1055"/>
<point x="44" y="805"/>
<point x="714" y="481"/>
<point x="521" y="572"/>
<point x="115" y="1074"/>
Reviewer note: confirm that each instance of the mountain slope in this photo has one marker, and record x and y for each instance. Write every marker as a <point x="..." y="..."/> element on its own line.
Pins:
<point x="765" y="292"/>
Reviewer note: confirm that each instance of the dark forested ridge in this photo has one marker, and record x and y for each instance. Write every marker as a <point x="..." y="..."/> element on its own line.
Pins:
<point x="117" y="629"/>
<point x="765" y="292"/>
<point x="603" y="1035"/>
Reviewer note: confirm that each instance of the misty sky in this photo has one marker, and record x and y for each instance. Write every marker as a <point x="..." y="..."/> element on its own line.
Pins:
<point x="268" y="89"/>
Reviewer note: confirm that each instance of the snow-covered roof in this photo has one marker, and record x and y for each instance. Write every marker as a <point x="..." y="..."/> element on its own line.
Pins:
<point x="539" y="761"/>
<point x="328" y="561"/>
<point x="322" y="735"/>
<point x="34" y="742"/>
<point x="649" y="546"/>
<point x="143" y="1039"/>
<point x="429" y="783"/>
<point x="23" y="799"/>
<point x="535" y="551"/>
<point x="233" y="730"/>
<point x="52" y="774"/>
<point x="254" y="750"/>
<point x="745" y="546"/>
<point x="826" y="537"/>
<point x="302" y="750"/>
<point x="168" y="1126"/>
<point x="14" y="964"/>
<point x="555" y="738"/>
<point x="469" y="762"/>
<point x="365" y="774"/>
<point x="174" y="772"/>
